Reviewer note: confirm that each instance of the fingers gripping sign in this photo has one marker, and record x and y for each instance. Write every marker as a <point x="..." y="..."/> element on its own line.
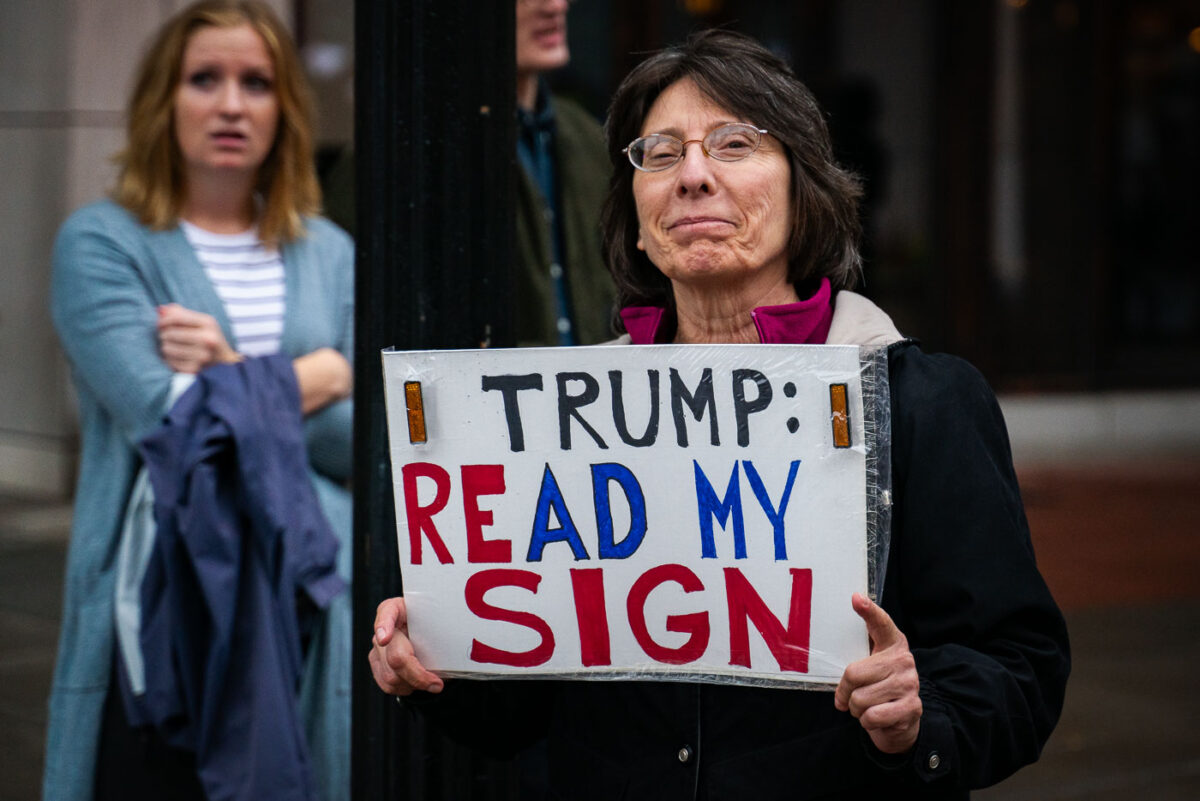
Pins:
<point x="881" y="691"/>
<point x="394" y="664"/>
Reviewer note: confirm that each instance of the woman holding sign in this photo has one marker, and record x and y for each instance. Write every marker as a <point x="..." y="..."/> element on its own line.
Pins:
<point x="727" y="221"/>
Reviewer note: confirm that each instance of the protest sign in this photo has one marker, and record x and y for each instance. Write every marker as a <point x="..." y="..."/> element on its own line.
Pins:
<point x="692" y="512"/>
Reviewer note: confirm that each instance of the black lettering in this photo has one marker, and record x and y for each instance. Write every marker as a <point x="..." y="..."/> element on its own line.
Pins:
<point x="742" y="408"/>
<point x="618" y="402"/>
<point x="509" y="386"/>
<point x="569" y="405"/>
<point x="697" y="401"/>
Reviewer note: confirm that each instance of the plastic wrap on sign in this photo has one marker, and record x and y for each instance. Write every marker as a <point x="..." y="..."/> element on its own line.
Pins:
<point x="667" y="512"/>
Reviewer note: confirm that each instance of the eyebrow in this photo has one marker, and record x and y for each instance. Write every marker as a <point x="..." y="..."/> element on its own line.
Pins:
<point x="204" y="66"/>
<point x="677" y="132"/>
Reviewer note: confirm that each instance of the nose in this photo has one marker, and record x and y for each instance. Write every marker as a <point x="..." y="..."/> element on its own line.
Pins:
<point x="231" y="103"/>
<point x="695" y="170"/>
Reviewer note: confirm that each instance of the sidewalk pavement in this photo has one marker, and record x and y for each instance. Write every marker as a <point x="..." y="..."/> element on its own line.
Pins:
<point x="1118" y="541"/>
<point x="33" y="540"/>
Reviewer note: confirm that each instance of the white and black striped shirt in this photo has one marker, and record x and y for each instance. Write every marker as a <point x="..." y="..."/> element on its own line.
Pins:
<point x="249" y="280"/>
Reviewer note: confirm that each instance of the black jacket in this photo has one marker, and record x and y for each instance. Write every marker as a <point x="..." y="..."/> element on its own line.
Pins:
<point x="961" y="583"/>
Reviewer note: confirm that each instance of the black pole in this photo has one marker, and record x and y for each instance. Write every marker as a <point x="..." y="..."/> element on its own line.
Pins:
<point x="435" y="152"/>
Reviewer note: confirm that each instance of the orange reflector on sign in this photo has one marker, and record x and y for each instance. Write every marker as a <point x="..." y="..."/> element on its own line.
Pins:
<point x="840" y="415"/>
<point x="416" y="411"/>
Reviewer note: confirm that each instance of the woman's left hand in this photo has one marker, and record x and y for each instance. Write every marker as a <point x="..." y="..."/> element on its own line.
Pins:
<point x="881" y="691"/>
<point x="191" y="340"/>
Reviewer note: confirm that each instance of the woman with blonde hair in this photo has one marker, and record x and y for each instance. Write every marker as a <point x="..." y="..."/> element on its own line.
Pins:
<point x="208" y="255"/>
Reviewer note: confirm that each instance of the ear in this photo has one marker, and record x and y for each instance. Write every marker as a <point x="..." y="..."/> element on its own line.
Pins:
<point x="640" y="245"/>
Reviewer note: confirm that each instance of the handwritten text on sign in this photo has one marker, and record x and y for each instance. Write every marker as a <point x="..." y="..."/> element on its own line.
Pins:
<point x="652" y="510"/>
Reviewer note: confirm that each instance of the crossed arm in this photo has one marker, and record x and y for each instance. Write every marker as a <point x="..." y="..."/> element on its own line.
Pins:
<point x="191" y="340"/>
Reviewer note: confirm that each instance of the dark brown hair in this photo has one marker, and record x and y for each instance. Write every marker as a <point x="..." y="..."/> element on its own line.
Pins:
<point x="747" y="80"/>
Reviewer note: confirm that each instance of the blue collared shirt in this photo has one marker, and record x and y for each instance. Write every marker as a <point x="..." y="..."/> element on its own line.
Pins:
<point x="535" y="149"/>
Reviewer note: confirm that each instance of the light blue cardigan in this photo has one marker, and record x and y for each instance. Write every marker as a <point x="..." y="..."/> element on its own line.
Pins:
<point x="110" y="274"/>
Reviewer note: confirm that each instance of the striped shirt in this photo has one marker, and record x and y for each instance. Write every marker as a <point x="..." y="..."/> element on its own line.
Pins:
<point x="248" y="278"/>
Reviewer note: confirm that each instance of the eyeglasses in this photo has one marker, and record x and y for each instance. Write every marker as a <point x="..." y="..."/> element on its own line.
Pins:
<point x="658" y="152"/>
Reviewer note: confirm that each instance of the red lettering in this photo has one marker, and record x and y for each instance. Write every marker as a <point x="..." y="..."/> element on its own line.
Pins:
<point x="695" y="624"/>
<point x="477" y="586"/>
<point x="420" y="518"/>
<point x="594" y="645"/>
<point x="482" y="479"/>
<point x="790" y="647"/>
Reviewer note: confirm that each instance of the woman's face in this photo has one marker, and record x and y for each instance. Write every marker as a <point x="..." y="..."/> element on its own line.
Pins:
<point x="704" y="221"/>
<point x="226" y="107"/>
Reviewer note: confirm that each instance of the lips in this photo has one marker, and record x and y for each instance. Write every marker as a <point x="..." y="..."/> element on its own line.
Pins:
<point x="550" y="34"/>
<point x="697" y="223"/>
<point x="229" y="138"/>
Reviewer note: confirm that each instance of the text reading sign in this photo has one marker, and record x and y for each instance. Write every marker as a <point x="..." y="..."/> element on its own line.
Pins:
<point x="660" y="511"/>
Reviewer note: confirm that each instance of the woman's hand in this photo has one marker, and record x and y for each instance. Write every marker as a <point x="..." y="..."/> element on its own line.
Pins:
<point x="324" y="377"/>
<point x="191" y="340"/>
<point x="881" y="691"/>
<point x="396" y="668"/>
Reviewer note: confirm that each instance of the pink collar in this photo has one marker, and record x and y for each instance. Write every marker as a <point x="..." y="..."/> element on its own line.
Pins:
<point x="803" y="323"/>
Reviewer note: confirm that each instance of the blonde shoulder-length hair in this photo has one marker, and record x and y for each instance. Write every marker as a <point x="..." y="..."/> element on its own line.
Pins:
<point x="151" y="180"/>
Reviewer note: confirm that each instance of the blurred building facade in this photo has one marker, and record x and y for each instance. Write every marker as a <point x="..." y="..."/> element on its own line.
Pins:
<point x="66" y="68"/>
<point x="1032" y="175"/>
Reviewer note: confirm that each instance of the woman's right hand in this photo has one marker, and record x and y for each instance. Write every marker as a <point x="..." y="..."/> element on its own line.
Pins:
<point x="191" y="340"/>
<point x="395" y="666"/>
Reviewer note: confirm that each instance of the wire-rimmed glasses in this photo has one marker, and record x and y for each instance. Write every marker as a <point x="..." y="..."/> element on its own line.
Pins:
<point x="656" y="152"/>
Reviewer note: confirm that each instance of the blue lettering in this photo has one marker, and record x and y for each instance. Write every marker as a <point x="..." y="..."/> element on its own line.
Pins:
<point x="602" y="474"/>
<point x="776" y="518"/>
<point x="710" y="506"/>
<point x="550" y="497"/>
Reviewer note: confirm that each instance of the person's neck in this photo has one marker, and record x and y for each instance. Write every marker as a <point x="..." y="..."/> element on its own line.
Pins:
<point x="708" y="316"/>
<point x="220" y="205"/>
<point x="527" y="90"/>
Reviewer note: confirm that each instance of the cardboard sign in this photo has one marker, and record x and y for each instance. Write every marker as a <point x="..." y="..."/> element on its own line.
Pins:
<point x="663" y="511"/>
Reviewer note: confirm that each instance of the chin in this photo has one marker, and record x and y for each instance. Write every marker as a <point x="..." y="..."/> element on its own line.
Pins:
<point x="231" y="167"/>
<point x="552" y="59"/>
<point x="703" y="261"/>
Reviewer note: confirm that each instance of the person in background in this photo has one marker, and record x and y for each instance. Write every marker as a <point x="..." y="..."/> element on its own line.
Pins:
<point x="562" y="292"/>
<point x="209" y="253"/>
<point x="728" y="221"/>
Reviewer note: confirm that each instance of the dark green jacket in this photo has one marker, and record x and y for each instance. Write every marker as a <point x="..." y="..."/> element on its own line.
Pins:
<point x="581" y="160"/>
<point x="582" y="163"/>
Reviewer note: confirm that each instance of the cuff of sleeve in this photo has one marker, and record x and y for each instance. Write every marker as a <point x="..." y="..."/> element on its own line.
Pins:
<point x="418" y="698"/>
<point x="888" y="763"/>
<point x="935" y="754"/>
